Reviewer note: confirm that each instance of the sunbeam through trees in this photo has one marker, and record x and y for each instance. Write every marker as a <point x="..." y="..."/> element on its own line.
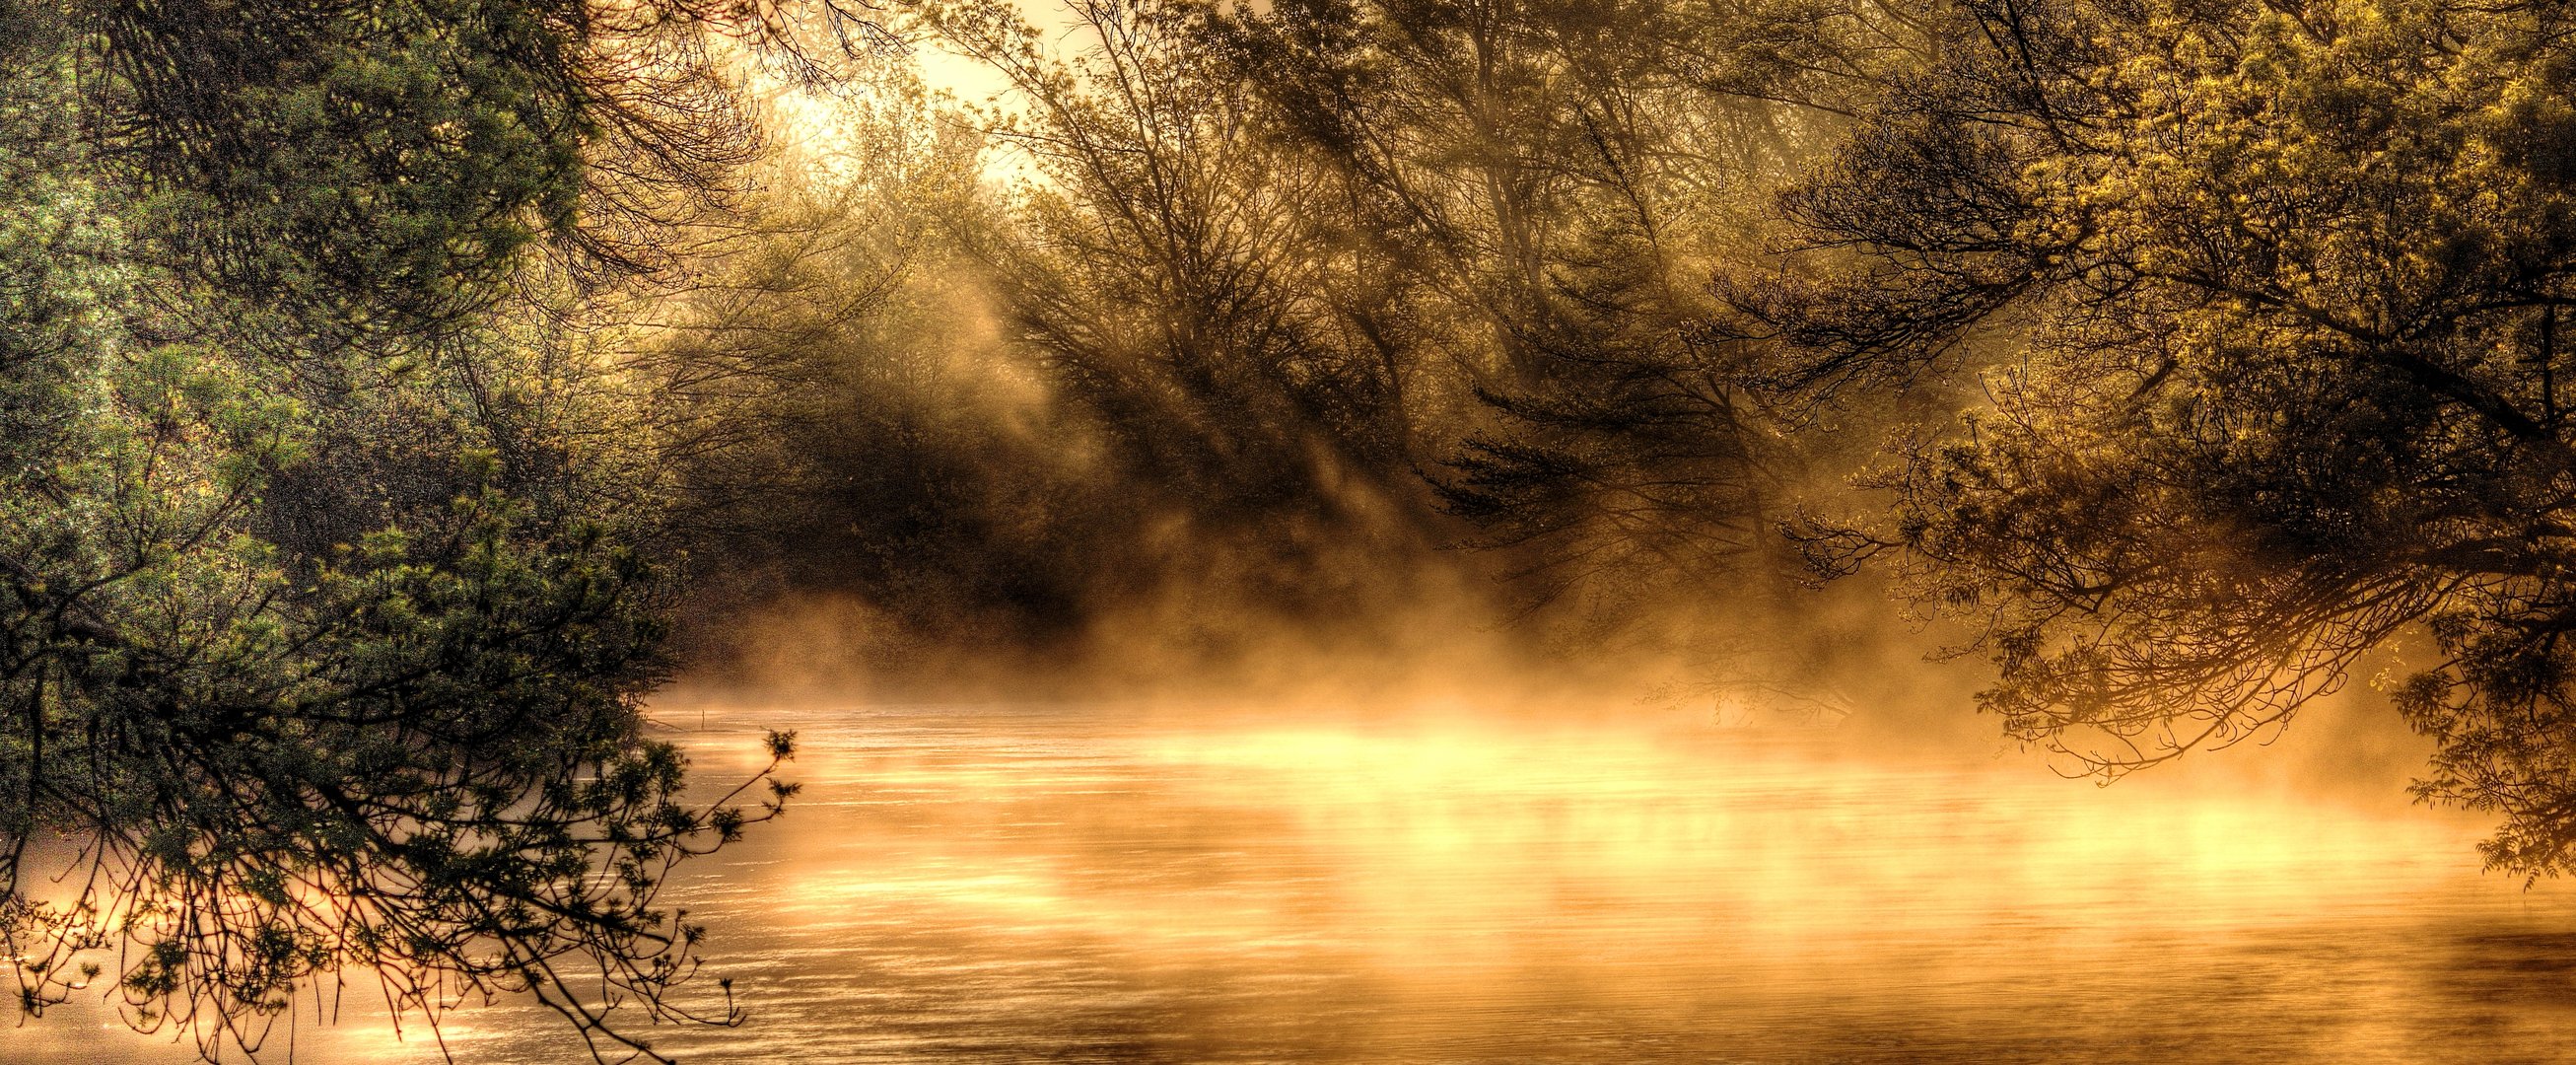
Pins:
<point x="395" y="397"/>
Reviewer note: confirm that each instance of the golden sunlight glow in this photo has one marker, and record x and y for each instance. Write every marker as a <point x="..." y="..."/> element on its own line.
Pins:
<point x="1025" y="878"/>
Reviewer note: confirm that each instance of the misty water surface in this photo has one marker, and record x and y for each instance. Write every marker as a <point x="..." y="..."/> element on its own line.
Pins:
<point x="1011" y="884"/>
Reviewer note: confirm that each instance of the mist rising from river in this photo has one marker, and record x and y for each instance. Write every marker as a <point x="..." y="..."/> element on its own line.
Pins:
<point x="1250" y="882"/>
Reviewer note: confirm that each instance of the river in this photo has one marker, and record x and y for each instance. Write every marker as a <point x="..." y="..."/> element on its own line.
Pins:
<point x="1097" y="884"/>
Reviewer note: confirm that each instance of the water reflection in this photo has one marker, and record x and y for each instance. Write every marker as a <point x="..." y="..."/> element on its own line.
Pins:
<point x="1001" y="884"/>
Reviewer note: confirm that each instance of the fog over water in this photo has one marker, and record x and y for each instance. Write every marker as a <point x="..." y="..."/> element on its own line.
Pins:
<point x="1104" y="882"/>
<point x="1367" y="531"/>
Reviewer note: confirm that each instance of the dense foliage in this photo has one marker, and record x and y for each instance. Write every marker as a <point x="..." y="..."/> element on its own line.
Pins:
<point x="319" y="643"/>
<point x="2251" y="309"/>
<point x="376" y="377"/>
<point x="2266" y="302"/>
<point x="1318" y="292"/>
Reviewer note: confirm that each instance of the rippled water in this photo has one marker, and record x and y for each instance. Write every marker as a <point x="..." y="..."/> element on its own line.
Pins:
<point x="990" y="884"/>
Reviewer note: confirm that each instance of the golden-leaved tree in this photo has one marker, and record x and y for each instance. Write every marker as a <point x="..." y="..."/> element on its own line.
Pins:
<point x="2266" y="302"/>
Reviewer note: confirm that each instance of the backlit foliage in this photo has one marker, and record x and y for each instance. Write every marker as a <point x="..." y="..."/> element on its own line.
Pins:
<point x="2266" y="299"/>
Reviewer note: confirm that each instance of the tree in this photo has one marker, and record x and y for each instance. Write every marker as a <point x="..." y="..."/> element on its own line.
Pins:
<point x="1168" y="274"/>
<point x="1344" y="273"/>
<point x="1170" y="271"/>
<point x="322" y="628"/>
<point x="832" y="421"/>
<point x="1542" y="185"/>
<point x="2265" y="301"/>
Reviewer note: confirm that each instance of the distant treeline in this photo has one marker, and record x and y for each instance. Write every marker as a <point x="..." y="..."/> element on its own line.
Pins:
<point x="1269" y="314"/>
<point x="2179" y="355"/>
<point x="396" y="393"/>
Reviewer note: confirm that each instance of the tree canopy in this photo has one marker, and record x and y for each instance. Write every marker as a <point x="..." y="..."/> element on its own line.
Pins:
<point x="2264" y="301"/>
<point x="321" y="634"/>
